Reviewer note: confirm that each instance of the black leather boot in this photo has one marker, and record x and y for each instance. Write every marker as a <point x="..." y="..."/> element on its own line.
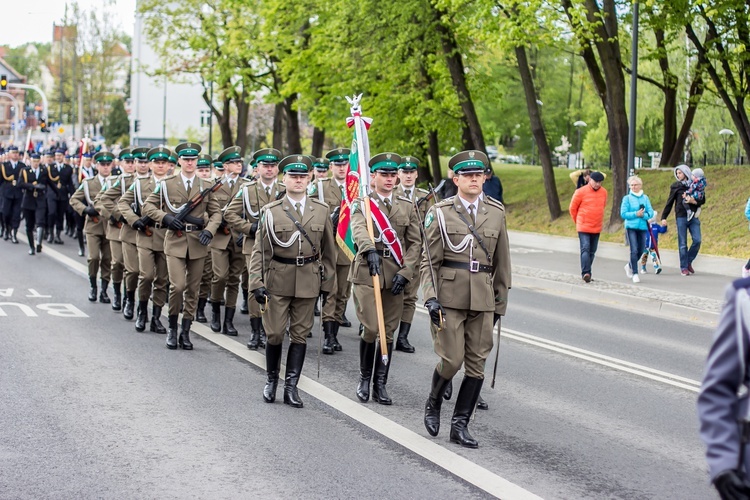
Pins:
<point x="103" y="297"/>
<point x="184" y="340"/>
<point x="380" y="377"/>
<point x="465" y="403"/>
<point x="336" y="346"/>
<point x="127" y="310"/>
<point x="142" y="317"/>
<point x="295" y="358"/>
<point x="156" y="325"/>
<point x="243" y="306"/>
<point x="92" y="290"/>
<point x="482" y="404"/>
<point x="81" y="247"/>
<point x="172" y="335"/>
<point x="366" y="359"/>
<point x="262" y="343"/>
<point x="30" y="237"/>
<point x="117" y="300"/>
<point x="434" y="402"/>
<point x="345" y="322"/>
<point x="57" y="240"/>
<point x="402" y="342"/>
<point x="14" y="236"/>
<point x="200" y="313"/>
<point x="328" y="332"/>
<point x="316" y="310"/>
<point x="39" y="239"/>
<point x="229" y="328"/>
<point x="254" y="341"/>
<point x="273" y="365"/>
<point x="215" y="316"/>
<point x="448" y="391"/>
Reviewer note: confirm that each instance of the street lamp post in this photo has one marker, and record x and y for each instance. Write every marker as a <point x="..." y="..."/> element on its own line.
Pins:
<point x="578" y="125"/>
<point x="726" y="134"/>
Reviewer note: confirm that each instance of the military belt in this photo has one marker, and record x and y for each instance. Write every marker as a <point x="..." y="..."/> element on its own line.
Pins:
<point x="386" y="252"/>
<point x="299" y="261"/>
<point x="189" y="228"/>
<point x="473" y="266"/>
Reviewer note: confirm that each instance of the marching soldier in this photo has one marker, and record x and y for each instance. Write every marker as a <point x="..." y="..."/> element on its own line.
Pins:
<point x="34" y="181"/>
<point x="203" y="171"/>
<point x="187" y="238"/>
<point x="70" y="221"/>
<point x="465" y="281"/>
<point x="149" y="238"/>
<point x="82" y="202"/>
<point x="60" y="188"/>
<point x="85" y="171"/>
<point x="226" y="257"/>
<point x="10" y="189"/>
<point x="331" y="191"/>
<point x="407" y="175"/>
<point x="394" y="256"/>
<point x="242" y="215"/>
<point x="106" y="204"/>
<point x="290" y="268"/>
<point x="321" y="167"/>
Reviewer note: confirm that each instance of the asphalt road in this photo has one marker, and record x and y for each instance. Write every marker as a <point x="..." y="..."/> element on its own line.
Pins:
<point x="92" y="408"/>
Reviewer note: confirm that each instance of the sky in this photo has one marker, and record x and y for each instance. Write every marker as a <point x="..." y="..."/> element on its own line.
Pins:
<point x="32" y="20"/>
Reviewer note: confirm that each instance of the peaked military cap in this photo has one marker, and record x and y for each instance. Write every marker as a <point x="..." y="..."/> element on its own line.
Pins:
<point x="188" y="150"/>
<point x="232" y="153"/>
<point x="321" y="164"/>
<point x="140" y="153"/>
<point x="296" y="165"/>
<point x="172" y="157"/>
<point x="104" y="157"/>
<point x="218" y="165"/>
<point x="126" y="154"/>
<point x="158" y="154"/>
<point x="468" y="162"/>
<point x="87" y="155"/>
<point x="12" y="148"/>
<point x="268" y="155"/>
<point x="408" y="163"/>
<point x="49" y="152"/>
<point x="62" y="151"/>
<point x="339" y="155"/>
<point x="385" y="161"/>
<point x="204" y="161"/>
<point x="34" y="155"/>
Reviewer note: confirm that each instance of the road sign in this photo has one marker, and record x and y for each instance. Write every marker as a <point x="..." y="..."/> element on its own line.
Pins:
<point x="61" y="130"/>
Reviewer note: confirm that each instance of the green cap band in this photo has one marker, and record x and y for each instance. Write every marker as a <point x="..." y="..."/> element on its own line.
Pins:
<point x="296" y="168"/>
<point x="267" y="158"/>
<point x="384" y="165"/>
<point x="159" y="155"/>
<point x="472" y="164"/>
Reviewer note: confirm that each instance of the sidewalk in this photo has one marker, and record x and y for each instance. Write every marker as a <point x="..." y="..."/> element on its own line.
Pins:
<point x="551" y="264"/>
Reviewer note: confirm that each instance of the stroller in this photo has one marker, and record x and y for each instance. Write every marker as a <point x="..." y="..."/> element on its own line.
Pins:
<point x="652" y="251"/>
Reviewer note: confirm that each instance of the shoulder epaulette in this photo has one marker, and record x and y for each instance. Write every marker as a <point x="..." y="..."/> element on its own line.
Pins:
<point x="403" y="198"/>
<point x="169" y="177"/>
<point x="492" y="201"/>
<point x="422" y="191"/>
<point x="318" y="202"/>
<point x="445" y="203"/>
<point x="272" y="204"/>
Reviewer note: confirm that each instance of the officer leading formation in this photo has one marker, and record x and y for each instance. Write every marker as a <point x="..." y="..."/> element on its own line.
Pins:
<point x="183" y="230"/>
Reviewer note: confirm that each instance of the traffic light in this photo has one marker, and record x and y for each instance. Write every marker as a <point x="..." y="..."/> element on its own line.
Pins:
<point x="3" y="82"/>
<point x="43" y="125"/>
<point x="137" y="126"/>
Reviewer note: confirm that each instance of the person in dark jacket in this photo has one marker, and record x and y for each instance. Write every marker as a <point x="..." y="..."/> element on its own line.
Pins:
<point x="687" y="256"/>
<point x="449" y="188"/>
<point x="492" y="186"/>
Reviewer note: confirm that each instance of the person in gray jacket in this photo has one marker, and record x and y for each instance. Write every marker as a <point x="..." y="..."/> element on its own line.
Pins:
<point x="722" y="411"/>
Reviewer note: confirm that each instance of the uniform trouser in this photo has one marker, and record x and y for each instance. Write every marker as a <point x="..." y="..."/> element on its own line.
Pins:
<point x="80" y="221"/>
<point x="335" y="305"/>
<point x="12" y="213"/>
<point x="208" y="273"/>
<point x="56" y="212"/>
<point x="292" y="311"/>
<point x="245" y="279"/>
<point x="410" y="300"/>
<point x="100" y="256"/>
<point x="185" y="278"/>
<point x="227" y="268"/>
<point x="253" y="306"/>
<point x="466" y="338"/>
<point x="118" y="264"/>
<point x="130" y="259"/>
<point x="70" y="216"/>
<point x="364" y="303"/>
<point x="34" y="217"/>
<point x="152" y="266"/>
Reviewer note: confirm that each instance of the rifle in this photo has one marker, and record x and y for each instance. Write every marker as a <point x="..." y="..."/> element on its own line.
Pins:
<point x="432" y="194"/>
<point x="427" y="252"/>
<point x="263" y="308"/>
<point x="194" y="202"/>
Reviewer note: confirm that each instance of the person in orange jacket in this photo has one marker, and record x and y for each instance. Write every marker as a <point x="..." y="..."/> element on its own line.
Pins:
<point x="587" y="211"/>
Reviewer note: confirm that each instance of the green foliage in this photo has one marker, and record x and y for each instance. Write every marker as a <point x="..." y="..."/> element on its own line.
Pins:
<point x="117" y="123"/>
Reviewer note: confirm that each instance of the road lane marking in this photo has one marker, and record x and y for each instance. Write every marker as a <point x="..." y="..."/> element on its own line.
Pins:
<point x="429" y="449"/>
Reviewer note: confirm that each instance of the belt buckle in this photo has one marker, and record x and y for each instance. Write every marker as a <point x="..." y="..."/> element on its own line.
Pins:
<point x="474" y="266"/>
<point x="300" y="260"/>
<point x="386" y="252"/>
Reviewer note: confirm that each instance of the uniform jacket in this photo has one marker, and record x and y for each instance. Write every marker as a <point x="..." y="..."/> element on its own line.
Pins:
<point x="225" y="236"/>
<point x="10" y="177"/>
<point x="172" y="190"/>
<point x="34" y="188"/>
<point x="461" y="288"/>
<point x="81" y="199"/>
<point x="630" y="206"/>
<point x="415" y="196"/>
<point x="587" y="209"/>
<point x="61" y="182"/>
<point x="719" y="405"/>
<point x="404" y="222"/>
<point x="106" y="204"/>
<point x="244" y="209"/>
<point x="291" y="280"/>
<point x="328" y="191"/>
<point x="135" y="195"/>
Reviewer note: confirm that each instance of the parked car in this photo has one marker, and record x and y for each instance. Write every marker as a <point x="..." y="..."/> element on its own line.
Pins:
<point x="492" y="153"/>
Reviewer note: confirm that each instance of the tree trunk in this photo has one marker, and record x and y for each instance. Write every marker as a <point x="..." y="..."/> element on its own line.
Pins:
<point x="222" y="118"/>
<point x="696" y="91"/>
<point x="466" y="134"/>
<point x="669" y="88"/>
<point x="292" y="126"/>
<point x="278" y="126"/>
<point x="433" y="149"/>
<point x="318" y="138"/>
<point x="537" y="129"/>
<point x="243" y="112"/>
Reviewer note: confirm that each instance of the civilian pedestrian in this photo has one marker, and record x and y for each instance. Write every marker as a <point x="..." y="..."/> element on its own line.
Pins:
<point x="587" y="211"/>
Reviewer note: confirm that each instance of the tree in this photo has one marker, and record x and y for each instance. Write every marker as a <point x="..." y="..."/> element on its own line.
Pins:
<point x="117" y="123"/>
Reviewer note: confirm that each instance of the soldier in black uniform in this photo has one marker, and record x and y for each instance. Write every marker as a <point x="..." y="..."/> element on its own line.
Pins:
<point x="60" y="188"/>
<point x="10" y="175"/>
<point x="33" y="182"/>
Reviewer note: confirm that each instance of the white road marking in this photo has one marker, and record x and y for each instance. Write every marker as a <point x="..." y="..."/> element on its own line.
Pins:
<point x="422" y="446"/>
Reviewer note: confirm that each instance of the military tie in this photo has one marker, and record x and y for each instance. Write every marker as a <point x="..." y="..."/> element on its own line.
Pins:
<point x="298" y="209"/>
<point x="342" y="191"/>
<point x="471" y="214"/>
<point x="231" y="184"/>
<point x="188" y="187"/>
<point x="387" y="203"/>
<point x="408" y="193"/>
<point x="268" y="192"/>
